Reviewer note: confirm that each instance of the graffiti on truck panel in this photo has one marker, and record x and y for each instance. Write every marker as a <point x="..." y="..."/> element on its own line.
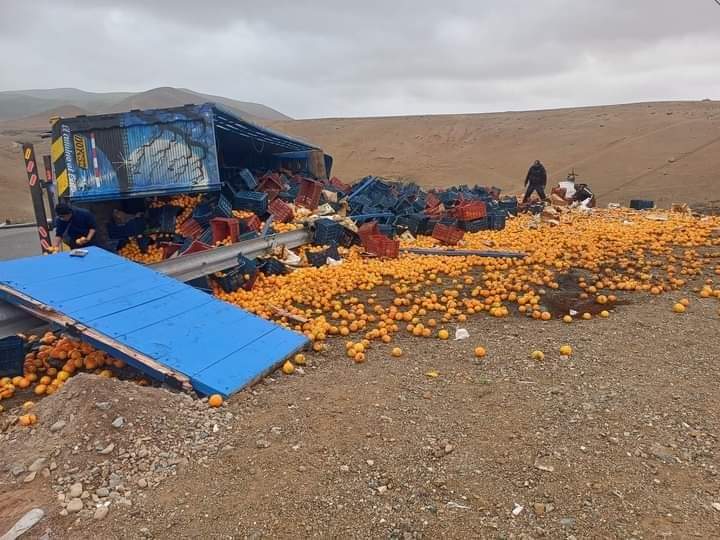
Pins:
<point x="148" y="152"/>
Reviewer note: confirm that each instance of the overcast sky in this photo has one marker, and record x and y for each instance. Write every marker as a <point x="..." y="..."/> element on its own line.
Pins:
<point x="368" y="57"/>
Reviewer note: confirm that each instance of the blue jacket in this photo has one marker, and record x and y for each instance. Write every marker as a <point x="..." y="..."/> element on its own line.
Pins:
<point x="79" y="225"/>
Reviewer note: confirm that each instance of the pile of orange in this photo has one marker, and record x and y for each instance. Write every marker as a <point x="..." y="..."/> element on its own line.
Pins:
<point x="613" y="251"/>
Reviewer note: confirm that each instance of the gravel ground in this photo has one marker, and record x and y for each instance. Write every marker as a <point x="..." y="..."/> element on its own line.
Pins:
<point x="617" y="441"/>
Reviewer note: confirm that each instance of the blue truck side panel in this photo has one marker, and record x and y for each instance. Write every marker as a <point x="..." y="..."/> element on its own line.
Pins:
<point x="141" y="153"/>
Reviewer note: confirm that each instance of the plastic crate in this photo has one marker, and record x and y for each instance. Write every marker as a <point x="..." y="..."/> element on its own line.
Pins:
<point x="271" y="184"/>
<point x="191" y="229"/>
<point x="639" y="204"/>
<point x="428" y="227"/>
<point x="255" y="201"/>
<point x="12" y="356"/>
<point x="447" y="234"/>
<point x="230" y="280"/>
<point x="432" y="200"/>
<point x="476" y="225"/>
<point x="309" y="194"/>
<point x="169" y="249"/>
<point x="224" y="206"/>
<point x="207" y="236"/>
<point x="195" y="246"/>
<point x="316" y="259"/>
<point x="339" y="184"/>
<point x="510" y="205"/>
<point x="202" y="213"/>
<point x="281" y="211"/>
<point x="224" y="227"/>
<point x="327" y="231"/>
<point x="366" y="230"/>
<point x="273" y="267"/>
<point x="348" y="238"/>
<point x="414" y="223"/>
<point x="470" y="210"/>
<point x="496" y="222"/>
<point x="382" y="246"/>
<point x="387" y="229"/>
<point x="250" y="224"/>
<point x="248" y="179"/>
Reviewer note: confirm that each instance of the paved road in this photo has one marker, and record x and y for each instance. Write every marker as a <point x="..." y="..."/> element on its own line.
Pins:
<point x="16" y="243"/>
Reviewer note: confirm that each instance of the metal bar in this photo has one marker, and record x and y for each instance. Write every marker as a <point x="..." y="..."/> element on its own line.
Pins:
<point x="465" y="253"/>
<point x="189" y="267"/>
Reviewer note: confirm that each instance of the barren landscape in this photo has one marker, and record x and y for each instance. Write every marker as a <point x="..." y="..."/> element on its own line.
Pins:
<point x="668" y="152"/>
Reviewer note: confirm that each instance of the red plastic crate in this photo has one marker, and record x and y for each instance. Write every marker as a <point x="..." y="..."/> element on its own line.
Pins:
<point x="251" y="223"/>
<point x="470" y="210"/>
<point x="196" y="247"/>
<point x="339" y="184"/>
<point x="169" y="249"/>
<point x="382" y="246"/>
<point x="191" y="229"/>
<point x="271" y="184"/>
<point x="281" y="211"/>
<point x="224" y="227"/>
<point x="447" y="234"/>
<point x="309" y="194"/>
<point x="366" y="230"/>
<point x="432" y="201"/>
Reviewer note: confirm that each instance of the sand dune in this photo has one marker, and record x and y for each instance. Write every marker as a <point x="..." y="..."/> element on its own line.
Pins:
<point x="667" y="151"/>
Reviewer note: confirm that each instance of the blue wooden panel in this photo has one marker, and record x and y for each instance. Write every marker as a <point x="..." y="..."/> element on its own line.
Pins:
<point x="120" y="292"/>
<point x="61" y="289"/>
<point x="246" y="365"/>
<point x="216" y="325"/>
<point x="155" y="315"/>
<point x="37" y="269"/>
<point x="219" y="347"/>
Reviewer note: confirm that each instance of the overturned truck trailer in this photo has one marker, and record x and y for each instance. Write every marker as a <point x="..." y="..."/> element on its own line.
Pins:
<point x="193" y="148"/>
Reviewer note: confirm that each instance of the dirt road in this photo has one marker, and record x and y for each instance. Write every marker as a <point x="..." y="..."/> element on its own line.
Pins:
<point x="618" y="441"/>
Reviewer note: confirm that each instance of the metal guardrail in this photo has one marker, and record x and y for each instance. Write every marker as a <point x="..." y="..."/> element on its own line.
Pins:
<point x="189" y="267"/>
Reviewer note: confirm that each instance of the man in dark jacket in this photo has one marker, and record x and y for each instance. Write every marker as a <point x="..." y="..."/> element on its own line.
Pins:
<point x="536" y="180"/>
<point x="75" y="226"/>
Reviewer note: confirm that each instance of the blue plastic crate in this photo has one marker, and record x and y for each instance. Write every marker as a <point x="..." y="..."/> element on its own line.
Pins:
<point x="203" y="213"/>
<point x="496" y="221"/>
<point x="12" y="356"/>
<point x="206" y="237"/>
<point x="475" y="225"/>
<point x="388" y="229"/>
<point x="510" y="206"/>
<point x="273" y="267"/>
<point x="639" y="204"/>
<point x="415" y="223"/>
<point x="224" y="206"/>
<point x="248" y="179"/>
<point x="327" y="231"/>
<point x="254" y="201"/>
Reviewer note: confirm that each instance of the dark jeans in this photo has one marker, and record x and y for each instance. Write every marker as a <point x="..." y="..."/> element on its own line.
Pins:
<point x="537" y="188"/>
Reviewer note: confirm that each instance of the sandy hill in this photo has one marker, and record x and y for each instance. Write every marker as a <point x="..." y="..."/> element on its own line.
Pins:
<point x="40" y="121"/>
<point x="667" y="151"/>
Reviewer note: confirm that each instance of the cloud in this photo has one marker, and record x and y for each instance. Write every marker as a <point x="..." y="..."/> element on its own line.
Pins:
<point x="336" y="58"/>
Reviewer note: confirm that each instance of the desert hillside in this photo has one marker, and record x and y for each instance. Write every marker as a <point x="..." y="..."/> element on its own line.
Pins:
<point x="666" y="151"/>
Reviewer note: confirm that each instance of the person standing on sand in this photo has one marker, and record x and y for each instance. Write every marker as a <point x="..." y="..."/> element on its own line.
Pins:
<point x="536" y="180"/>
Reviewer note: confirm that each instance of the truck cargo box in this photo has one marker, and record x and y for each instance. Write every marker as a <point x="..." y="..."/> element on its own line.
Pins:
<point x="161" y="151"/>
